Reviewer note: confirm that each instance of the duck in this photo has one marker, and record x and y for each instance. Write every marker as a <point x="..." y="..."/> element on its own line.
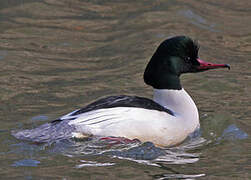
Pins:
<point x="165" y="120"/>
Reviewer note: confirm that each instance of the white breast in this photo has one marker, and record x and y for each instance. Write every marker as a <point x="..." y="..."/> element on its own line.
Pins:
<point x="181" y="104"/>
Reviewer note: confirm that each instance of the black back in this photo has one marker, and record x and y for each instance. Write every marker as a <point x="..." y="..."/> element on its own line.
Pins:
<point x="123" y="101"/>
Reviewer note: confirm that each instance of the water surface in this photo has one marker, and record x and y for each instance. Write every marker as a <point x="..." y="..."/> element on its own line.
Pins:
<point x="57" y="56"/>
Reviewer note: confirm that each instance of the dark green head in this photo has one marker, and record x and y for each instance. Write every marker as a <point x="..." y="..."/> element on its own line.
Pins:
<point x="173" y="57"/>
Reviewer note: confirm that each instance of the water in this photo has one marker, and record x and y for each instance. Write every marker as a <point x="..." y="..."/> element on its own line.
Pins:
<point x="57" y="56"/>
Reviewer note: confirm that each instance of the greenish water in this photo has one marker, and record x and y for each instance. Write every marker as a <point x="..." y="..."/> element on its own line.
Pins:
<point x="57" y="56"/>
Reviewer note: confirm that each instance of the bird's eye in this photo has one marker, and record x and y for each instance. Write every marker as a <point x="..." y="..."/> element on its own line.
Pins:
<point x="187" y="59"/>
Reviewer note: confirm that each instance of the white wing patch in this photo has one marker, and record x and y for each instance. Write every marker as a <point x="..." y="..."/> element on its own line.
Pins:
<point x="98" y="116"/>
<point x="100" y="122"/>
<point x="68" y="116"/>
<point x="119" y="121"/>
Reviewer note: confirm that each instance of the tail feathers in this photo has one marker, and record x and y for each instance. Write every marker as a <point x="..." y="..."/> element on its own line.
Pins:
<point x="49" y="132"/>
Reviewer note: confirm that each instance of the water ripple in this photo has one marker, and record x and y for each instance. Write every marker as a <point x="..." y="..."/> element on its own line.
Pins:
<point x="93" y="164"/>
<point x="198" y="20"/>
<point x="26" y="163"/>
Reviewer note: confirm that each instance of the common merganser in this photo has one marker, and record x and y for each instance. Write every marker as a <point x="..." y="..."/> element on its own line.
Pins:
<point x="166" y="120"/>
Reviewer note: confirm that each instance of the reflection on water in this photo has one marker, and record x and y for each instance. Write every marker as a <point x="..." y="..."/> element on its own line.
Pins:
<point x="232" y="132"/>
<point x="180" y="176"/>
<point x="135" y="150"/>
<point x="93" y="163"/>
<point x="143" y="153"/>
<point x="57" y="56"/>
<point x="26" y="162"/>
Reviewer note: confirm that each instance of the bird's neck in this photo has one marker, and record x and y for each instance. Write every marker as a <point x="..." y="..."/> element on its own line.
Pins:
<point x="180" y="103"/>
